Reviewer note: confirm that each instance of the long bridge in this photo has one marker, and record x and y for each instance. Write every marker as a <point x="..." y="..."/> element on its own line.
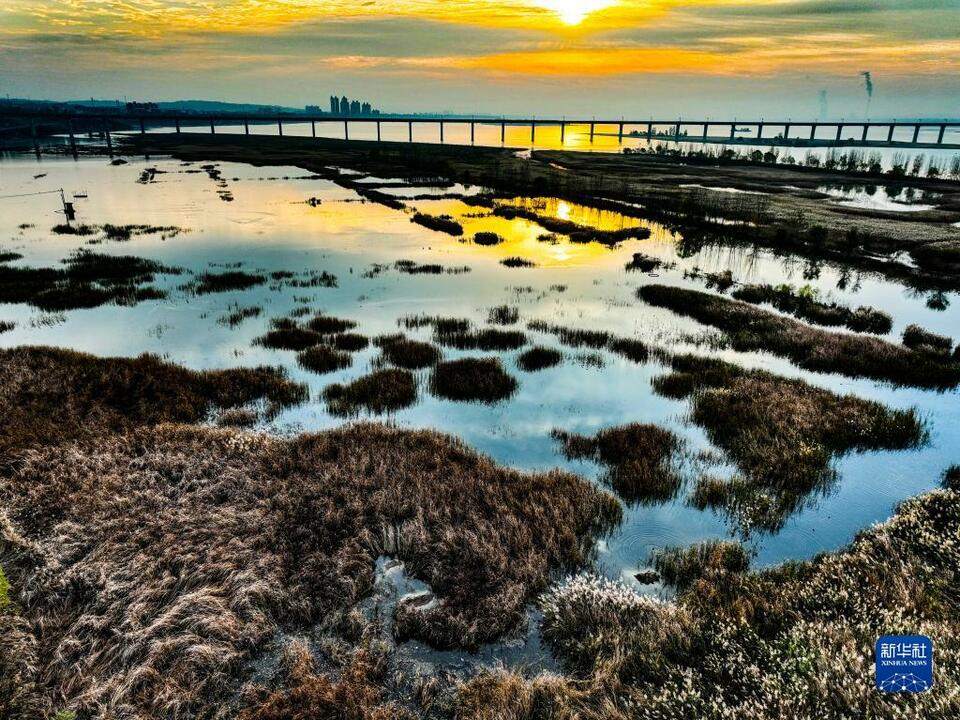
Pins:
<point x="919" y="133"/>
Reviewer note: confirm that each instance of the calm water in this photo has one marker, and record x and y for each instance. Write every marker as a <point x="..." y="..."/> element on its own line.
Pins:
<point x="269" y="226"/>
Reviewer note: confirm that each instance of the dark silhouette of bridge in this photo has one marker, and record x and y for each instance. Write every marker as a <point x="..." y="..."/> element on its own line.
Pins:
<point x="785" y="133"/>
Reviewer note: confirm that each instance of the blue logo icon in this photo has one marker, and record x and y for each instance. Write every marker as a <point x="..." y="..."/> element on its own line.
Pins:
<point x="904" y="663"/>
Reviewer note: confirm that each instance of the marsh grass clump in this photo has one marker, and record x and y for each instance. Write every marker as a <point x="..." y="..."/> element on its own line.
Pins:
<point x="239" y="314"/>
<point x="782" y="433"/>
<point x="440" y="223"/>
<point x="750" y="328"/>
<point x="803" y="303"/>
<point x="503" y="315"/>
<point x="487" y="238"/>
<point x="412" y="268"/>
<point x="742" y="644"/>
<point x="643" y="263"/>
<point x="487" y="339"/>
<point x="9" y="256"/>
<point x="382" y="391"/>
<point x="289" y="338"/>
<point x="123" y="233"/>
<point x="66" y="229"/>
<point x="917" y="338"/>
<point x="629" y="348"/>
<point x="55" y="396"/>
<point x="640" y="459"/>
<point x="7" y="325"/>
<point x="349" y="342"/>
<point x="329" y="325"/>
<point x="575" y="232"/>
<point x="272" y="537"/>
<point x="408" y="354"/>
<point x="323" y="359"/>
<point x="517" y="262"/>
<point x="443" y="325"/>
<point x="681" y="566"/>
<point x="472" y="380"/>
<point x="211" y="282"/>
<point x="87" y="280"/>
<point x="539" y="358"/>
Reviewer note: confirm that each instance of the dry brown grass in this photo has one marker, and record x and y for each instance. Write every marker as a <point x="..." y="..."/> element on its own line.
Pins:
<point x="752" y="328"/>
<point x="151" y="566"/>
<point x="382" y="391"/>
<point x="51" y="395"/>
<point x="640" y="459"/>
<point x="472" y="380"/>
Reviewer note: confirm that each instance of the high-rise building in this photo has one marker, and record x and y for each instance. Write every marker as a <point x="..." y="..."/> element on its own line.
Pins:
<point x="355" y="107"/>
<point x="365" y="109"/>
<point x="344" y="106"/>
<point x="334" y="105"/>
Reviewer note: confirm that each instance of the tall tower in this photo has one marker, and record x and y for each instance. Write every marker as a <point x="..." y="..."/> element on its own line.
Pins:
<point x="334" y="105"/>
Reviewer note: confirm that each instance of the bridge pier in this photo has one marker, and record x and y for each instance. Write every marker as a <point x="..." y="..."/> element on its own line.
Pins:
<point x="441" y="132"/>
<point x="649" y="131"/>
<point x="943" y="130"/>
<point x="346" y="130"/>
<point x="473" y="129"/>
<point x="786" y="131"/>
<point x="706" y="127"/>
<point x="143" y="130"/>
<point x="33" y="134"/>
<point x="280" y="126"/>
<point x="563" y="132"/>
<point x="592" y="127"/>
<point x="916" y="133"/>
<point x="177" y="125"/>
<point x="503" y="132"/>
<point x="813" y="131"/>
<point x="620" y="134"/>
<point x="378" y="131"/>
<point x="246" y="127"/>
<point x="839" y="131"/>
<point x="866" y="129"/>
<point x="760" y="131"/>
<point x="533" y="132"/>
<point x="890" y="133"/>
<point x="733" y="130"/>
<point x="313" y="129"/>
<point x="676" y="132"/>
<point x="106" y="132"/>
<point x="213" y="131"/>
<point x="410" y="131"/>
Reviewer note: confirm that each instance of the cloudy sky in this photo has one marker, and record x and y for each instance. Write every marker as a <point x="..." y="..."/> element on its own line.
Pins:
<point x="543" y="57"/>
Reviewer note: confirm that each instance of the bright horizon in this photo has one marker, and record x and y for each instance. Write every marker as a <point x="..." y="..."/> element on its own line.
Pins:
<point x="542" y="57"/>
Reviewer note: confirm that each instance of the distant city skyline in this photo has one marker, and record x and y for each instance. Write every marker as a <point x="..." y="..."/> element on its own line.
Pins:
<point x="544" y="57"/>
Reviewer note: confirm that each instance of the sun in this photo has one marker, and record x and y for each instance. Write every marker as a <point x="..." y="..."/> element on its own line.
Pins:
<point x="573" y="12"/>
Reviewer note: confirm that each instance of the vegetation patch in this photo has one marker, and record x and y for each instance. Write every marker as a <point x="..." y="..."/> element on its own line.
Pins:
<point x="472" y="380"/>
<point x="740" y="644"/>
<point x="209" y="282"/>
<point x="53" y="396"/>
<point x="271" y="538"/>
<point x="239" y="314"/>
<point x="517" y="262"/>
<point x="576" y="233"/>
<point x="916" y="338"/>
<point x="487" y="238"/>
<point x="440" y="223"/>
<point x="87" y="280"/>
<point x="803" y="303"/>
<point x="782" y="433"/>
<point x="503" y="315"/>
<point x="640" y="459"/>
<point x="751" y="329"/>
<point x="349" y="342"/>
<point x="66" y="229"/>
<point x="7" y="325"/>
<point x="487" y="339"/>
<point x="322" y="359"/>
<point x="289" y="338"/>
<point x="9" y="256"/>
<point x="629" y="348"/>
<point x="408" y="354"/>
<point x="382" y="391"/>
<point x="412" y="268"/>
<point x="681" y="566"/>
<point x="539" y="358"/>
<point x="643" y="263"/>
<point x="329" y="325"/>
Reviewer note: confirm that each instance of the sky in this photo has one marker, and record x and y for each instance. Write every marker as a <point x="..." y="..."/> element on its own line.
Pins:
<point x="584" y="58"/>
